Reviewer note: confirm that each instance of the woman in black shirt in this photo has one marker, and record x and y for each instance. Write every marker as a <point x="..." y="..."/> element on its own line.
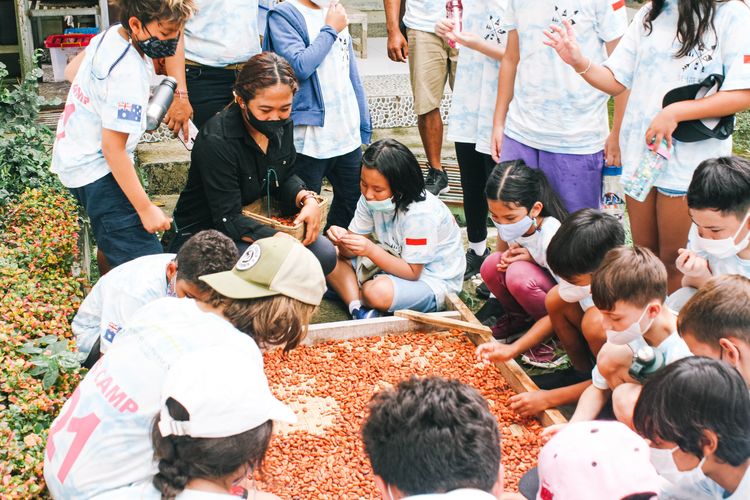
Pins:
<point x="244" y="153"/>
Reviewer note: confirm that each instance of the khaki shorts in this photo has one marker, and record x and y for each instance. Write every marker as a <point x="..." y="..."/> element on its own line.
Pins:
<point x="431" y="62"/>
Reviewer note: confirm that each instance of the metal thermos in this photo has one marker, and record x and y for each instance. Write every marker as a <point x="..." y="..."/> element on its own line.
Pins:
<point x="160" y="102"/>
<point x="646" y="361"/>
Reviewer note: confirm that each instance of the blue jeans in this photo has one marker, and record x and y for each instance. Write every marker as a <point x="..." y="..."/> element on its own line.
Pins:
<point x="118" y="230"/>
<point x="210" y="90"/>
<point x="343" y="174"/>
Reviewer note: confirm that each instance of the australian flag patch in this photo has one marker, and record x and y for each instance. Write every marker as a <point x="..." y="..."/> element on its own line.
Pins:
<point x="130" y="112"/>
<point x="111" y="332"/>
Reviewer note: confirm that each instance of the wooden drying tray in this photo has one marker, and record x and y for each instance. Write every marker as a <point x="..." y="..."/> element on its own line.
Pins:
<point x="459" y="317"/>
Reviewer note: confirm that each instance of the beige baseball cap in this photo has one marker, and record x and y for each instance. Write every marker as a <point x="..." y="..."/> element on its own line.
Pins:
<point x="272" y="266"/>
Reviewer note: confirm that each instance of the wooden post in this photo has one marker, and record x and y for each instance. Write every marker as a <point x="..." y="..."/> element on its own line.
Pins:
<point x="25" y="36"/>
<point x="511" y="371"/>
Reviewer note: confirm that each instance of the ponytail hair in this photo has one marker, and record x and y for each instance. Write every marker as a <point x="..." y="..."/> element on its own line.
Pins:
<point x="182" y="458"/>
<point x="262" y="71"/>
<point x="515" y="182"/>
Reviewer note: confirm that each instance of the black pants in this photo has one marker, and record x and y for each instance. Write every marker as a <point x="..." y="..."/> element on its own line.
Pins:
<point x="210" y="90"/>
<point x="475" y="168"/>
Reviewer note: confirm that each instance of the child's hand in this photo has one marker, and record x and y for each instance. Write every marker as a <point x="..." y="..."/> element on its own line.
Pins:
<point x="444" y="27"/>
<point x="336" y="17"/>
<point x="465" y="38"/>
<point x="528" y="404"/>
<point x="495" y="352"/>
<point x="154" y="219"/>
<point x="661" y="128"/>
<point x="563" y="40"/>
<point x="335" y="233"/>
<point x="356" y="244"/>
<point x="690" y="264"/>
<point x="516" y="253"/>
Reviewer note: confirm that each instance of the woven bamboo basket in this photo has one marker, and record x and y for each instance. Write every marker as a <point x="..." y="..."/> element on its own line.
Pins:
<point x="258" y="211"/>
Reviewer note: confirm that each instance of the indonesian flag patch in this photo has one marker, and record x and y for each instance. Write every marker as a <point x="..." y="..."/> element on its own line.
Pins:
<point x="618" y="5"/>
<point x="416" y="242"/>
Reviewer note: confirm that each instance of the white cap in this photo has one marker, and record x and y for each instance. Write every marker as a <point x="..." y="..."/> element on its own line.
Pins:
<point x="224" y="393"/>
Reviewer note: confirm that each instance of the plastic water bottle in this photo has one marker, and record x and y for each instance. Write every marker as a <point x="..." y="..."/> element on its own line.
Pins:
<point x="642" y="179"/>
<point x="160" y="102"/>
<point x="613" y="196"/>
<point x="454" y="9"/>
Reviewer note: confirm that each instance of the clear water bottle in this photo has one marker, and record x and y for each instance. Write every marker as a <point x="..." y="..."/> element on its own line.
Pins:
<point x="160" y="102"/>
<point x="454" y="9"/>
<point x="642" y="179"/>
<point x="613" y="196"/>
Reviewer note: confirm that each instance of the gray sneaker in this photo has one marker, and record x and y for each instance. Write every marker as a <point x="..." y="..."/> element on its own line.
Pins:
<point x="436" y="181"/>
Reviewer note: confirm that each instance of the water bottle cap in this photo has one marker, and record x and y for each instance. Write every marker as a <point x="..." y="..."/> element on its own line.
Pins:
<point x="646" y="355"/>
<point x="171" y="81"/>
<point x="612" y="170"/>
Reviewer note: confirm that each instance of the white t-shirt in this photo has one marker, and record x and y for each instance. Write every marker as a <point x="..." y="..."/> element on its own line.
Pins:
<point x="646" y="65"/>
<point x="147" y="491"/>
<point x="720" y="267"/>
<point x="426" y="234"/>
<point x="222" y="32"/>
<point x="101" y="439"/>
<point x="340" y="131"/>
<point x="553" y="108"/>
<point x="538" y="242"/>
<point x="700" y="487"/>
<point x="460" y="494"/>
<point x="471" y="113"/>
<point x="423" y="15"/>
<point x="96" y="101"/>
<point x="673" y="348"/>
<point x="116" y="297"/>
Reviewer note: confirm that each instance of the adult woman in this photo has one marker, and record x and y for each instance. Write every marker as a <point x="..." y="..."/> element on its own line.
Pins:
<point x="244" y="153"/>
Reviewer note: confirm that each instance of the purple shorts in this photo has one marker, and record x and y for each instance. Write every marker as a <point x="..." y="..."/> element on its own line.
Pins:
<point x="577" y="179"/>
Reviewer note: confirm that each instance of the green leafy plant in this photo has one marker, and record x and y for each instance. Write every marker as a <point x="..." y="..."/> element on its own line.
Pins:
<point x="25" y="145"/>
<point x="50" y="356"/>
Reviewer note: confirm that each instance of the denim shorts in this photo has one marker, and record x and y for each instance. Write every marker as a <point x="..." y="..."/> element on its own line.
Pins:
<point x="672" y="193"/>
<point x="414" y="295"/>
<point x="117" y="228"/>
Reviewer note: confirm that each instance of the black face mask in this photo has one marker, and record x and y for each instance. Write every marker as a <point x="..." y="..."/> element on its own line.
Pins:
<point x="273" y="129"/>
<point x="156" y="48"/>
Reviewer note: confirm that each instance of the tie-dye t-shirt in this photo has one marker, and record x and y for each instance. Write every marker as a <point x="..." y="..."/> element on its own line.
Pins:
<point x="475" y="90"/>
<point x="553" y="108"/>
<point x="427" y="233"/>
<point x="101" y="439"/>
<point x="339" y="134"/>
<point x="423" y="15"/>
<point x="222" y="32"/>
<point x="97" y="101"/>
<point x="646" y="64"/>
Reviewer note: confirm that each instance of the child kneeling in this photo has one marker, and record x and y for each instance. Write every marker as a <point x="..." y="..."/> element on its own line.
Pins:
<point x="415" y="256"/>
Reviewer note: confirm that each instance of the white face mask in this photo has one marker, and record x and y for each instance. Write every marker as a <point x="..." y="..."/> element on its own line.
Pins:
<point x="386" y="205"/>
<point x="631" y="333"/>
<point x="725" y="247"/>
<point x="572" y="293"/>
<point x="663" y="462"/>
<point x="323" y="4"/>
<point x="511" y="232"/>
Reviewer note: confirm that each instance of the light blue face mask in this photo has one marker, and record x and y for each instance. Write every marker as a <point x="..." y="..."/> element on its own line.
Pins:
<point x="386" y="205"/>
<point x="511" y="232"/>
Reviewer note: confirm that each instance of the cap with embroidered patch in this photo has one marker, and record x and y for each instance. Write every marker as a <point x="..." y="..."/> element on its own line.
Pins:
<point x="272" y="266"/>
<point x="595" y="460"/>
<point x="223" y="393"/>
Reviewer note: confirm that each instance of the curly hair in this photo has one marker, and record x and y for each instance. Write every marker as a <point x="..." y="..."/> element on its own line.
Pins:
<point x="171" y="11"/>
<point x="206" y="252"/>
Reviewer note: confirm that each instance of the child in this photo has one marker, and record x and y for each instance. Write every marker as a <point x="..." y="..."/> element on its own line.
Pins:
<point x="99" y="441"/>
<point x="629" y="289"/>
<point x="104" y="118"/>
<point x="213" y="429"/>
<point x="594" y="461"/>
<point x="544" y="114"/>
<point x="527" y="214"/>
<point x="330" y="110"/>
<point x="696" y="413"/>
<point x="433" y="437"/>
<point x="668" y="45"/>
<point x="417" y="256"/>
<point x="719" y="204"/>
<point x="716" y="322"/>
<point x="482" y="42"/>
<point x="121" y="292"/>
<point x="575" y="251"/>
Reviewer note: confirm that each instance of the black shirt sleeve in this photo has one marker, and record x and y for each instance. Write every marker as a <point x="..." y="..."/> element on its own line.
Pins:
<point x="219" y="168"/>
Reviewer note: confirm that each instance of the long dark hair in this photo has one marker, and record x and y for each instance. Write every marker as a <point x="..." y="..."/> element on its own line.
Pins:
<point x="262" y="71"/>
<point x="182" y="458"/>
<point x="399" y="166"/>
<point x="696" y="18"/>
<point x="515" y="182"/>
